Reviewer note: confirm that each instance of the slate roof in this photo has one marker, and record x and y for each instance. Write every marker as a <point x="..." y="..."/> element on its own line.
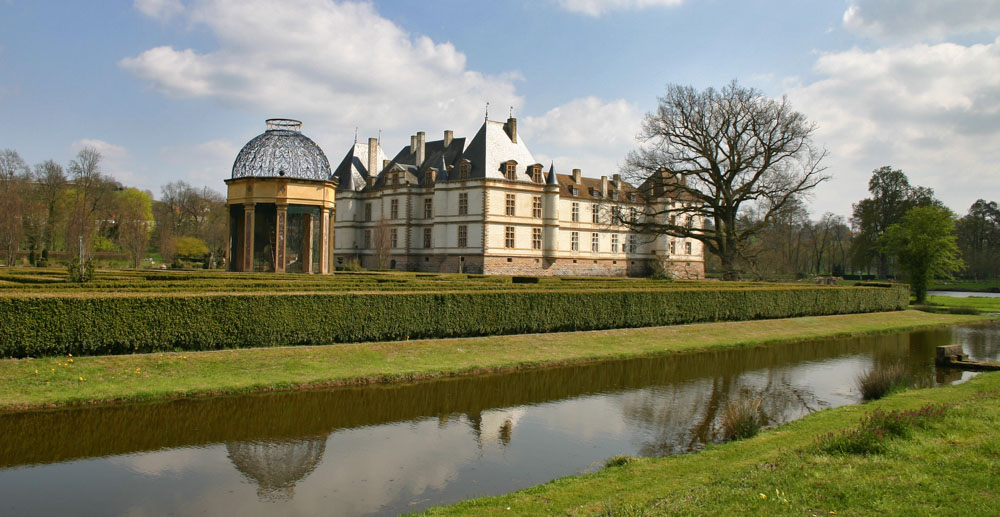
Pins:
<point x="353" y="173"/>
<point x="491" y="147"/>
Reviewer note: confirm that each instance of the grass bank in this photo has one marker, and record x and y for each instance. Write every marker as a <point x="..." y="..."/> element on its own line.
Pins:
<point x="54" y="381"/>
<point x="946" y="465"/>
<point x="980" y="303"/>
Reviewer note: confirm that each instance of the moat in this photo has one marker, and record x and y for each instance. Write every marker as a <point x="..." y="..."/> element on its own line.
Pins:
<point x="384" y="450"/>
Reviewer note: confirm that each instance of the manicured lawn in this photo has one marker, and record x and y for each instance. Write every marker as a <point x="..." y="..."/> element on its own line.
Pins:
<point x="980" y="303"/>
<point x="33" y="383"/>
<point x="948" y="465"/>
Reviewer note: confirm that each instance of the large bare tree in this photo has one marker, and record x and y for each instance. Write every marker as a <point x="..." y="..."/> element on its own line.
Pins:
<point x="13" y="172"/>
<point x="722" y="153"/>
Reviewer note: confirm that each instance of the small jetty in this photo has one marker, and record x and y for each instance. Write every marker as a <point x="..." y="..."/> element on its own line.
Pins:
<point x="952" y="356"/>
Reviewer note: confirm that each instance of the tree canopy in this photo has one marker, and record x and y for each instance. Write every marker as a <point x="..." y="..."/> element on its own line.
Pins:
<point x="925" y="245"/>
<point x="721" y="153"/>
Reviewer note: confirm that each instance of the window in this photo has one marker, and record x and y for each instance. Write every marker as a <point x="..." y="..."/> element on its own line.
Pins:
<point x="510" y="170"/>
<point x="536" y="207"/>
<point x="573" y="190"/>
<point x="394" y="209"/>
<point x="393" y="238"/>
<point x="536" y="174"/>
<point x="463" y="169"/>
<point x="574" y="242"/>
<point x="536" y="238"/>
<point x="428" y="208"/>
<point x="463" y="236"/>
<point x="595" y="242"/>
<point x="508" y="236"/>
<point x="368" y="212"/>
<point x="631" y="243"/>
<point x="463" y="204"/>
<point x="596" y="215"/>
<point x="368" y="239"/>
<point x="576" y="212"/>
<point x="687" y="248"/>
<point x="427" y="238"/>
<point x="509" y="202"/>
<point x="614" y="243"/>
<point x="673" y="247"/>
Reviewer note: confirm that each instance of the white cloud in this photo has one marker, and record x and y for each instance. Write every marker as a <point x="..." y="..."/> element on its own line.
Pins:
<point x="598" y="7"/>
<point x="918" y="19"/>
<point x="159" y="9"/>
<point x="333" y="65"/>
<point x="116" y="161"/>
<point x="931" y="110"/>
<point x="585" y="133"/>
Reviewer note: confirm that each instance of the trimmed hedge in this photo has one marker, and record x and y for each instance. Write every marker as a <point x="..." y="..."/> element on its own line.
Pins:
<point x="93" y="325"/>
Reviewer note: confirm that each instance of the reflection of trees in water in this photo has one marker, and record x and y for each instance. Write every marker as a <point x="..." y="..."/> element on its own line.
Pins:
<point x="680" y="417"/>
<point x="276" y="466"/>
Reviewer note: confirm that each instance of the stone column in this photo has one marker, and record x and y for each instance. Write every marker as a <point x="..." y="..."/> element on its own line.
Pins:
<point x="281" y="219"/>
<point x="324" y="250"/>
<point x="248" y="217"/>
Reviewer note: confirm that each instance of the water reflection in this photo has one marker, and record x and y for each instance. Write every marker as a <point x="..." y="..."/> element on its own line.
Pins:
<point x="392" y="449"/>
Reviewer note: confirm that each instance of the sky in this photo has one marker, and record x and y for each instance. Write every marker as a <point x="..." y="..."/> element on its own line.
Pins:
<point x="171" y="90"/>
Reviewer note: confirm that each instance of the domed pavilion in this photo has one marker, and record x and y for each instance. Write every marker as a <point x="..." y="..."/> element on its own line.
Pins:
<point x="281" y="203"/>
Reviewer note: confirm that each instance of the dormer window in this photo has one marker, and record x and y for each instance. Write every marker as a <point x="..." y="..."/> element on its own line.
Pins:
<point x="463" y="169"/>
<point x="573" y="190"/>
<point x="614" y="195"/>
<point x="631" y="196"/>
<point x="536" y="173"/>
<point x="595" y="193"/>
<point x="510" y="170"/>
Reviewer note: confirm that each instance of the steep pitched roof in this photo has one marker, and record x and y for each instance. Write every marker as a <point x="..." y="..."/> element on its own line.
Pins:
<point x="352" y="173"/>
<point x="491" y="147"/>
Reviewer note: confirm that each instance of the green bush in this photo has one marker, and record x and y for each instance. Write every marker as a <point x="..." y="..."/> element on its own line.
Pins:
<point x="876" y="429"/>
<point x="91" y="324"/>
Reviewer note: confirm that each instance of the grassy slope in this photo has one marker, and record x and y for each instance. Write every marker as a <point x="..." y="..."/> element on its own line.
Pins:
<point x="952" y="468"/>
<point x="980" y="303"/>
<point x="33" y="383"/>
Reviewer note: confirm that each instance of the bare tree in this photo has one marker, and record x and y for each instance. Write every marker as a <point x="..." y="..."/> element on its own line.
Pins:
<point x="382" y="240"/>
<point x="51" y="183"/>
<point x="721" y="153"/>
<point x="13" y="171"/>
<point x="93" y="197"/>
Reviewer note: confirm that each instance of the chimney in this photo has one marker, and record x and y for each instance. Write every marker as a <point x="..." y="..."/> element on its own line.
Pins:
<point x="420" y="149"/>
<point x="511" y="127"/>
<point x="413" y="145"/>
<point x="604" y="186"/>
<point x="576" y="176"/>
<point x="448" y="137"/>
<point x="618" y="181"/>
<point x="385" y="162"/>
<point x="372" y="156"/>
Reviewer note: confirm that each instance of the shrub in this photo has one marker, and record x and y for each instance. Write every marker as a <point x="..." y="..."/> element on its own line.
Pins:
<point x="877" y="428"/>
<point x="524" y="280"/>
<point x="743" y="418"/>
<point x="80" y="273"/>
<point x="353" y="265"/>
<point x="618" y="461"/>
<point x="175" y="317"/>
<point x="881" y="380"/>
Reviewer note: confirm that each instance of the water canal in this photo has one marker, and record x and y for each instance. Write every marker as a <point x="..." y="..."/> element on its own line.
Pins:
<point x="383" y="450"/>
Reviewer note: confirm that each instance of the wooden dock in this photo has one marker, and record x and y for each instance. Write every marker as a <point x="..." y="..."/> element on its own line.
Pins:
<point x="952" y="356"/>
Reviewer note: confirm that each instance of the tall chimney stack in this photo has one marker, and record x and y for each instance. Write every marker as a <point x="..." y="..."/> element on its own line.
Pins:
<point x="618" y="181"/>
<point x="576" y="176"/>
<point x="420" y="148"/>
<point x="604" y="186"/>
<point x="372" y="156"/>
<point x="449" y="135"/>
<point x="511" y="128"/>
<point x="413" y="146"/>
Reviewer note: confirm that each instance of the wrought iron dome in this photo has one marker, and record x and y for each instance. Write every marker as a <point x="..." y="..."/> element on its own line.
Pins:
<point x="282" y="151"/>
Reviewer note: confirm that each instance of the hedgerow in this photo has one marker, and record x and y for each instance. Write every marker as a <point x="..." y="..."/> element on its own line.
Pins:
<point x="89" y="324"/>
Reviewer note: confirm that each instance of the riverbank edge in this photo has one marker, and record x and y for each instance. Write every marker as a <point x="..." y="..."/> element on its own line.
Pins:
<point x="47" y="383"/>
<point x="939" y="469"/>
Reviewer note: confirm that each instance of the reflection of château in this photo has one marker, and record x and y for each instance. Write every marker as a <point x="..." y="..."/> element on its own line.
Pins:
<point x="276" y="466"/>
<point x="479" y="206"/>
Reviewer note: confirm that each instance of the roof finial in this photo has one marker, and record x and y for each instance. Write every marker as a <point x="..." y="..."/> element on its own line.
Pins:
<point x="487" y="111"/>
<point x="355" y="134"/>
<point x="379" y="137"/>
<point x="511" y="114"/>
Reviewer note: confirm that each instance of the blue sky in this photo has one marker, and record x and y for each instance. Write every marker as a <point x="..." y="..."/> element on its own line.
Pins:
<point x="171" y="89"/>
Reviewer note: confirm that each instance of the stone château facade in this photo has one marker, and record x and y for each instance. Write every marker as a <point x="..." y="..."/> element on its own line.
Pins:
<point x="486" y="206"/>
